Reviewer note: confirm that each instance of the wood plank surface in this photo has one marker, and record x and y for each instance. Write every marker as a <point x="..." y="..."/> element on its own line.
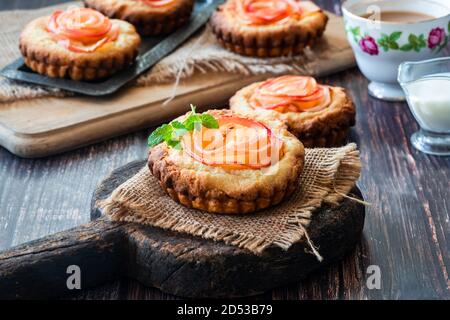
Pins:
<point x="177" y="263"/>
<point x="407" y="229"/>
<point x="47" y="126"/>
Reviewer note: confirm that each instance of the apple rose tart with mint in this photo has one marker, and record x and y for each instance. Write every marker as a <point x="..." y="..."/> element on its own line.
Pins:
<point x="221" y="162"/>
<point x="268" y="28"/>
<point x="79" y="43"/>
<point x="319" y="115"/>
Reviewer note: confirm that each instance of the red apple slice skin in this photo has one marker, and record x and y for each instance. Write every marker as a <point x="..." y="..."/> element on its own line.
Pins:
<point x="266" y="11"/>
<point x="207" y="157"/>
<point x="283" y="93"/>
<point x="86" y="39"/>
<point x="157" y="3"/>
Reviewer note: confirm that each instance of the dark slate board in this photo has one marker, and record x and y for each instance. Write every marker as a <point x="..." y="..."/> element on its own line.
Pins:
<point x="176" y="263"/>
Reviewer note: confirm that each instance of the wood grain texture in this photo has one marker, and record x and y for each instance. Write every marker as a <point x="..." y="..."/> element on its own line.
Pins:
<point x="407" y="230"/>
<point x="177" y="263"/>
<point x="180" y="264"/>
<point x="47" y="126"/>
<point x="193" y="267"/>
<point x="38" y="269"/>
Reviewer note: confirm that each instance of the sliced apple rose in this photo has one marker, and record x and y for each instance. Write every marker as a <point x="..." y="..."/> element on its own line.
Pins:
<point x="291" y="94"/>
<point x="82" y="29"/>
<point x="266" y="11"/>
<point x="319" y="115"/>
<point x="157" y="3"/>
<point x="79" y="43"/>
<point x="238" y="143"/>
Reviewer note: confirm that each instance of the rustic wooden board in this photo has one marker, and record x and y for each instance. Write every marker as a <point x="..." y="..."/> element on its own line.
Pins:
<point x="175" y="263"/>
<point x="46" y="126"/>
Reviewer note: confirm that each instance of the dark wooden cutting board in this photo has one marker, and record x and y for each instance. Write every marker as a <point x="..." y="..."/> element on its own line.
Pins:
<point x="176" y="263"/>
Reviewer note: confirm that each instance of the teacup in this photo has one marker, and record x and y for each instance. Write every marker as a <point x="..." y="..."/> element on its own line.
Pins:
<point x="380" y="46"/>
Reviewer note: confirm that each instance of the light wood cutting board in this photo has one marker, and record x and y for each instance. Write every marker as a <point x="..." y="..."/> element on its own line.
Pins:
<point x="46" y="126"/>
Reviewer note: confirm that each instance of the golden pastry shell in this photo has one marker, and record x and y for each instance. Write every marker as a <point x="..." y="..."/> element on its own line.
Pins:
<point x="44" y="55"/>
<point x="217" y="190"/>
<point x="148" y="20"/>
<point x="267" y="40"/>
<point x="323" y="128"/>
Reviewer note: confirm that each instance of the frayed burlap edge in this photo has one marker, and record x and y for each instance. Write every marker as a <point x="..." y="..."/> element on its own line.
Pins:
<point x="344" y="170"/>
<point x="227" y="62"/>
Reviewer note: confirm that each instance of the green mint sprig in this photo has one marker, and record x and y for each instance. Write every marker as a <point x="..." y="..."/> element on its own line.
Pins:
<point x="172" y="132"/>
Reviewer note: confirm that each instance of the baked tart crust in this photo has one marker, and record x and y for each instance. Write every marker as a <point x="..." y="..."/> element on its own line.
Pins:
<point x="327" y="127"/>
<point x="219" y="190"/>
<point x="45" y="55"/>
<point x="287" y="37"/>
<point x="148" y="20"/>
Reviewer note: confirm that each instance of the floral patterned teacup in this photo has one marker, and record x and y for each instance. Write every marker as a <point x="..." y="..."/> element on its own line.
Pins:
<point x="381" y="46"/>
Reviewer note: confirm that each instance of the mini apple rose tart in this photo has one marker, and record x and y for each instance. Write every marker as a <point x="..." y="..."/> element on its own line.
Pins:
<point x="319" y="115"/>
<point x="221" y="162"/>
<point x="150" y="17"/>
<point x="268" y="28"/>
<point x="79" y="43"/>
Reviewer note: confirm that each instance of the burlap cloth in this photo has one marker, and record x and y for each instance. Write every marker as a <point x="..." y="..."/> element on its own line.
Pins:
<point x="201" y="54"/>
<point x="328" y="175"/>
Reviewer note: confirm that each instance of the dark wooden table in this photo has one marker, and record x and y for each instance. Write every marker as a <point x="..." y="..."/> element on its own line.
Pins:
<point x="407" y="230"/>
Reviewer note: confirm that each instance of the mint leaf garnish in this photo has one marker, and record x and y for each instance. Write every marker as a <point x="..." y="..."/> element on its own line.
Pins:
<point x="208" y="121"/>
<point x="159" y="135"/>
<point x="177" y="124"/>
<point x="172" y="132"/>
<point x="190" y="121"/>
<point x="174" y="144"/>
<point x="177" y="133"/>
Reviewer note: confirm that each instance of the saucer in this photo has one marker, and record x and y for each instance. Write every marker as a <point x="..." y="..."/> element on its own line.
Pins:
<point x="386" y="91"/>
